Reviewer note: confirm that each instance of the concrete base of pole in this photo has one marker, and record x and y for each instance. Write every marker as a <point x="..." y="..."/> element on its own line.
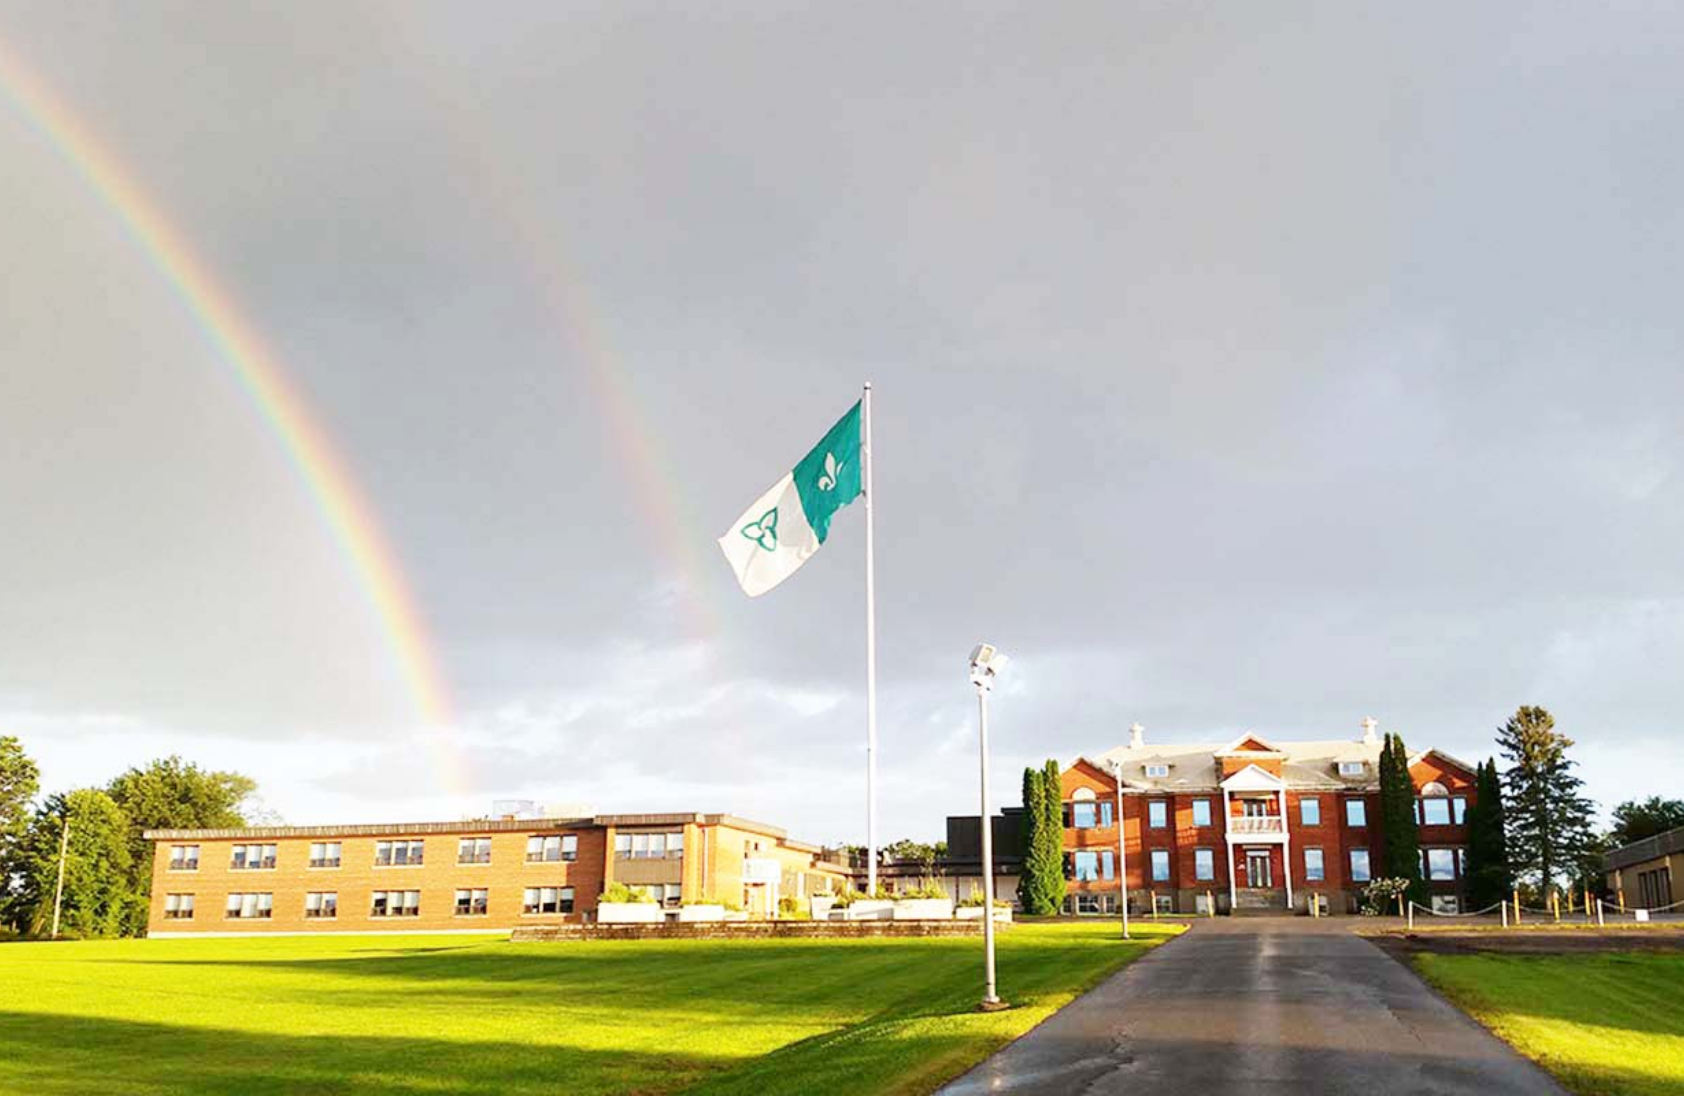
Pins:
<point x="992" y="1004"/>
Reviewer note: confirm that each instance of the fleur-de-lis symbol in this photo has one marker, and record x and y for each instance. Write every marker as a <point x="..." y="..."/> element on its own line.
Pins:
<point x="765" y="531"/>
<point x="832" y="470"/>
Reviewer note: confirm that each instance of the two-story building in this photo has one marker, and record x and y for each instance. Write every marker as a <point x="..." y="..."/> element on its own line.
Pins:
<point x="488" y="874"/>
<point x="1252" y="824"/>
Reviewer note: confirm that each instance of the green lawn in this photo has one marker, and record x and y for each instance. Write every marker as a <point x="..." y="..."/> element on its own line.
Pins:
<point x="1608" y="1024"/>
<point x="479" y="1014"/>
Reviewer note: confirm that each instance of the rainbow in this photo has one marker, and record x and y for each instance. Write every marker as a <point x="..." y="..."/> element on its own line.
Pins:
<point x="370" y="558"/>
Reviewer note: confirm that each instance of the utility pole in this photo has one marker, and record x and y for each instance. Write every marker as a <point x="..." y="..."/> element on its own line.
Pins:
<point x="63" y="850"/>
<point x="986" y="663"/>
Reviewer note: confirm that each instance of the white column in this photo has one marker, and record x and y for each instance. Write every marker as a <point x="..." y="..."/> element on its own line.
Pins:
<point x="1286" y="849"/>
<point x="1228" y="838"/>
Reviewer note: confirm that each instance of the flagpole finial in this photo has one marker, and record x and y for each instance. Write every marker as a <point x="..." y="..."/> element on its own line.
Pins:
<point x="868" y="386"/>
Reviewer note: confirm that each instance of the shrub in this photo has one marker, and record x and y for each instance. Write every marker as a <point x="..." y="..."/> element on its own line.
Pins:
<point x="619" y="892"/>
<point x="791" y="908"/>
<point x="929" y="888"/>
<point x="1381" y="895"/>
<point x="976" y="900"/>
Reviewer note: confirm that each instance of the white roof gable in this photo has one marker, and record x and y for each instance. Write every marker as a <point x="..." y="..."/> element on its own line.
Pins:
<point x="1254" y="779"/>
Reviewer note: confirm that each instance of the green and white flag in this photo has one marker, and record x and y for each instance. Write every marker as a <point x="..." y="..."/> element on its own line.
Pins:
<point x="786" y="525"/>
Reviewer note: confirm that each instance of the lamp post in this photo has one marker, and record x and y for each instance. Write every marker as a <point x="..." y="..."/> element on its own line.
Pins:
<point x="1122" y="846"/>
<point x="986" y="662"/>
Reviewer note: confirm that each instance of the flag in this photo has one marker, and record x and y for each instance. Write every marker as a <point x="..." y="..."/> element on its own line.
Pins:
<point x="786" y="525"/>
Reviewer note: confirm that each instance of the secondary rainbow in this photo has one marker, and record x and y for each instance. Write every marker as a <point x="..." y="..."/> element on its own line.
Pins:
<point x="278" y="403"/>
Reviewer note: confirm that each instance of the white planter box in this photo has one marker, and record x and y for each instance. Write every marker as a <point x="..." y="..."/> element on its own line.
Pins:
<point x="819" y="905"/>
<point x="687" y="914"/>
<point x="974" y="913"/>
<point x="869" y="910"/>
<point x="630" y="913"/>
<point x="924" y="909"/>
<point x="736" y="915"/>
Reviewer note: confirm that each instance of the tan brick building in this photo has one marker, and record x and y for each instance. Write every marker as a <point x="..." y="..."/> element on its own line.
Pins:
<point x="1645" y="874"/>
<point x="478" y="875"/>
<point x="1253" y="824"/>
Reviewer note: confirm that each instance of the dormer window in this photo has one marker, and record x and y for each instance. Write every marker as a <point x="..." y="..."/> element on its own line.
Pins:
<point x="1157" y="770"/>
<point x="1352" y="768"/>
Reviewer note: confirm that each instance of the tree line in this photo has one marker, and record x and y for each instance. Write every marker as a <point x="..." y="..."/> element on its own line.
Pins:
<point x="107" y="863"/>
<point x="1529" y="825"/>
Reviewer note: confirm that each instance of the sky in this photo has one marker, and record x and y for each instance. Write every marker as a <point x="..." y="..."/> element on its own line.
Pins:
<point x="1235" y="369"/>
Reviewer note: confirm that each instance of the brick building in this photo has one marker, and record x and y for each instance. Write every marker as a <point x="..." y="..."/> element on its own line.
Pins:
<point x="478" y="875"/>
<point x="1643" y="874"/>
<point x="1253" y="824"/>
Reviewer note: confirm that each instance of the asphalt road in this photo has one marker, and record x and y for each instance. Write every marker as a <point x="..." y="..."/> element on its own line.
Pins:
<point x="1259" y="1006"/>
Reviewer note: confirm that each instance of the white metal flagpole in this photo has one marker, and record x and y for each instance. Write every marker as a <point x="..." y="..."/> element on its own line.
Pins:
<point x="870" y="649"/>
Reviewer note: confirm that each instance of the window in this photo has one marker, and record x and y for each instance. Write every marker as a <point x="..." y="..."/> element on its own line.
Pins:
<point x="184" y="858"/>
<point x="1356" y="813"/>
<point x="397" y="854"/>
<point x="1160" y="865"/>
<point x="1108" y="865"/>
<point x="1459" y="809"/>
<point x="1164" y="903"/>
<point x="1086" y="903"/>
<point x="249" y="906"/>
<point x="473" y="850"/>
<point x="1314" y="870"/>
<point x="547" y="900"/>
<point x="395" y="904"/>
<point x="1462" y="863"/>
<point x="1204" y="865"/>
<point x="672" y="899"/>
<point x="178" y="907"/>
<point x="1446" y="903"/>
<point x="1087" y="867"/>
<point x="1309" y="811"/>
<point x="675" y="844"/>
<point x="550" y="847"/>
<point x="1084" y="816"/>
<point x="655" y="846"/>
<point x="473" y="903"/>
<point x="1201" y="812"/>
<point x="321" y="905"/>
<point x="1106" y="818"/>
<point x="324" y="854"/>
<point x="1157" y="770"/>
<point x="1157" y="814"/>
<point x="622" y="845"/>
<point x="252" y="857"/>
<point x="1352" y="768"/>
<point x="1359" y="865"/>
<point x="1440" y="864"/>
<point x="1434" y="812"/>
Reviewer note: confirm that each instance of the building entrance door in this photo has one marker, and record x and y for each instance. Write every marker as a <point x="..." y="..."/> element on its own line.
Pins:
<point x="1257" y="873"/>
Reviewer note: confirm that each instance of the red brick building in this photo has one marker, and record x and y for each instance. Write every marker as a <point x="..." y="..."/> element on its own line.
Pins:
<point x="1253" y="824"/>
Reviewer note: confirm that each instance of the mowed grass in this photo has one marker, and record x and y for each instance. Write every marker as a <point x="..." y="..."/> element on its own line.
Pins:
<point x="1608" y="1024"/>
<point x="482" y="1015"/>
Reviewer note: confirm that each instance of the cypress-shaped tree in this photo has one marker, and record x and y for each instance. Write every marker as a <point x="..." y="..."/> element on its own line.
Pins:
<point x="1031" y="884"/>
<point x="1397" y="815"/>
<point x="1489" y="877"/>
<point x="1052" y="787"/>
<point x="1548" y="821"/>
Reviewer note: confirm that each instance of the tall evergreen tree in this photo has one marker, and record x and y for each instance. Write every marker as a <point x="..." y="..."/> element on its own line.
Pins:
<point x="98" y="897"/>
<point x="1052" y="784"/>
<point x="19" y="781"/>
<point x="1031" y="884"/>
<point x="1489" y="877"/>
<point x="1397" y="816"/>
<point x="1548" y="821"/>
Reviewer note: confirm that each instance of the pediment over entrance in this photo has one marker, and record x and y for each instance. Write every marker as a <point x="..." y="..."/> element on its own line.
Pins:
<point x="1252" y="778"/>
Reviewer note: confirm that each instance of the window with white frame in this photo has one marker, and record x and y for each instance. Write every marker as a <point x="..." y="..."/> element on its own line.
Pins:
<point x="321" y="905"/>
<point x="398" y="854"/>
<point x="1439" y="864"/>
<point x="1084" y="812"/>
<point x="1352" y="768"/>
<point x="1309" y="811"/>
<point x="395" y="904"/>
<point x="1204" y="865"/>
<point x="248" y="906"/>
<point x="1087" y="867"/>
<point x="547" y="900"/>
<point x="541" y="847"/>
<point x="1157" y="814"/>
<point x="1160" y="865"/>
<point x="1356" y="813"/>
<point x="1086" y="903"/>
<point x="623" y="846"/>
<point x="252" y="857"/>
<point x="1107" y="865"/>
<point x="1359" y="866"/>
<point x="1106" y="818"/>
<point x="184" y="858"/>
<point x="1314" y="869"/>
<point x="1201" y="812"/>
<point x="570" y="846"/>
<point x="473" y="850"/>
<point x="473" y="902"/>
<point x="324" y="854"/>
<point x="1157" y="770"/>
<point x="178" y="907"/>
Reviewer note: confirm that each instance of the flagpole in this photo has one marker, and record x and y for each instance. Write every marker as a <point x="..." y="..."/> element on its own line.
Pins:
<point x="870" y="650"/>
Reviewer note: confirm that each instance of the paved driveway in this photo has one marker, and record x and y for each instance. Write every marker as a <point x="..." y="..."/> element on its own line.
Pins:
<point x="1256" y="1005"/>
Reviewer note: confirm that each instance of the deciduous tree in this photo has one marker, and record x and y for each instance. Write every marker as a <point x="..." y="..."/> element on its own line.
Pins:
<point x="98" y="897"/>
<point x="1636" y="819"/>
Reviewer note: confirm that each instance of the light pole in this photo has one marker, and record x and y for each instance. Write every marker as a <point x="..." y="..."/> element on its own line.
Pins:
<point x="1122" y="845"/>
<point x="986" y="662"/>
<point x="63" y="851"/>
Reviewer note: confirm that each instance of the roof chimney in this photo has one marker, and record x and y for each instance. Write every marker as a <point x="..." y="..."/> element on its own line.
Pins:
<point x="1368" y="726"/>
<point x="1137" y="736"/>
